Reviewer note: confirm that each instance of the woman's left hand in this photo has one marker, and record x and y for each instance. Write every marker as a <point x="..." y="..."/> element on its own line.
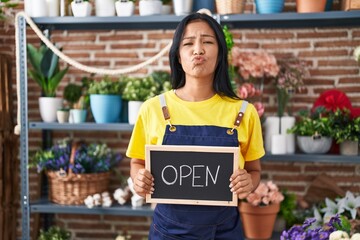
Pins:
<point x="241" y="183"/>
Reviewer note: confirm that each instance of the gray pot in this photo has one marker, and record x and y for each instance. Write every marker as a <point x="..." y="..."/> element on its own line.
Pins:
<point x="308" y="144"/>
<point x="349" y="148"/>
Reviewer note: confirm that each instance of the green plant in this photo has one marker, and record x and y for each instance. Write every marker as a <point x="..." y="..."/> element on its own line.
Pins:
<point x="166" y="1"/>
<point x="72" y="93"/>
<point x="6" y="7"/>
<point x="287" y="208"/>
<point x="54" y="233"/>
<point x="106" y="87"/>
<point x="344" y="126"/>
<point x="315" y="123"/>
<point x="46" y="71"/>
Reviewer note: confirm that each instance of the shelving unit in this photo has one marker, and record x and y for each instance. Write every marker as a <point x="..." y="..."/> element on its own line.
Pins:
<point x="281" y="20"/>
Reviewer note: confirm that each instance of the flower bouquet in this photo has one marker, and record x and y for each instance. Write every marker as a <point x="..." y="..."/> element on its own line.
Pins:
<point x="75" y="170"/>
<point x="252" y="68"/>
<point x="258" y="213"/>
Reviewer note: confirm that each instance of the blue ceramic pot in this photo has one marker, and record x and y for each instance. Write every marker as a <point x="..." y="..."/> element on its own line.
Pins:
<point x="328" y="6"/>
<point x="269" y="6"/>
<point x="105" y="108"/>
<point x="199" y="4"/>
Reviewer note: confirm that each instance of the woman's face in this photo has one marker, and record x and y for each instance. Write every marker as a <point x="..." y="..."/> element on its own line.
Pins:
<point x="198" y="50"/>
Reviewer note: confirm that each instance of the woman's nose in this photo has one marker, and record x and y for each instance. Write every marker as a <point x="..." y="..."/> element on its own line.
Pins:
<point x="198" y="49"/>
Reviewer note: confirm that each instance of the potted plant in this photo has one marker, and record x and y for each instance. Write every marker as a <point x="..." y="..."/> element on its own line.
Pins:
<point x="76" y="97"/>
<point x="81" y="8"/>
<point x="54" y="233"/>
<point x="105" y="8"/>
<point x="125" y="8"/>
<point x="166" y="7"/>
<point x="83" y="168"/>
<point x="105" y="100"/>
<point x="137" y="90"/>
<point x="346" y="131"/>
<point x="46" y="72"/>
<point x="150" y="7"/>
<point x="258" y="213"/>
<point x="313" y="130"/>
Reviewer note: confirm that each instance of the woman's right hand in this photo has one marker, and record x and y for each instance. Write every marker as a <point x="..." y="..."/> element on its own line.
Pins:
<point x="142" y="178"/>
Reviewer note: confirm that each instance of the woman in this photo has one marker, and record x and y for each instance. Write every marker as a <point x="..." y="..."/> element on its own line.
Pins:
<point x="199" y="111"/>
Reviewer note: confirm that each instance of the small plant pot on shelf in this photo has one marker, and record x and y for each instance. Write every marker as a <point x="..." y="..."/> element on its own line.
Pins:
<point x="311" y="145"/>
<point x="269" y="6"/>
<point x="106" y="108"/>
<point x="307" y="6"/>
<point x="349" y="148"/>
<point x="81" y="8"/>
<point x="48" y="107"/>
<point x="124" y="8"/>
<point x="62" y="116"/>
<point x="147" y="7"/>
<point x="230" y="6"/>
<point x="182" y="7"/>
<point x="77" y="116"/>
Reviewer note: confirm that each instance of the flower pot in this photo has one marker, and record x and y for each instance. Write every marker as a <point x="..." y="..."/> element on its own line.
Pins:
<point x="53" y="8"/>
<point x="269" y="6"/>
<point x="306" y="6"/>
<point x="349" y="148"/>
<point x="278" y="144"/>
<point x="199" y="4"/>
<point x="288" y="122"/>
<point x="82" y="9"/>
<point x="182" y="7"/>
<point x="48" y="107"/>
<point x="166" y="9"/>
<point x="39" y="8"/>
<point x="308" y="144"/>
<point x="105" y="8"/>
<point x="258" y="221"/>
<point x="124" y="9"/>
<point x="105" y="108"/>
<point x="272" y="127"/>
<point x="147" y="8"/>
<point x="62" y="116"/>
<point x="78" y="115"/>
<point x="133" y="110"/>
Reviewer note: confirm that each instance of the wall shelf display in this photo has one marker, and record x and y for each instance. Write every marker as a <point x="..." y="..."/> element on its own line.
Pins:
<point x="281" y="20"/>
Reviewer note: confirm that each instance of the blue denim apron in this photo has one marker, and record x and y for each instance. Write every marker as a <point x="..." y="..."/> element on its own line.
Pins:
<point x="186" y="222"/>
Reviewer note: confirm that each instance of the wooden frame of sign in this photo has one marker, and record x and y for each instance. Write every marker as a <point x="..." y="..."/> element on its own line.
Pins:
<point x="196" y="175"/>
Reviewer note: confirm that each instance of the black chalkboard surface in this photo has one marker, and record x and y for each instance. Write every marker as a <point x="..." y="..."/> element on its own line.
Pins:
<point x="192" y="174"/>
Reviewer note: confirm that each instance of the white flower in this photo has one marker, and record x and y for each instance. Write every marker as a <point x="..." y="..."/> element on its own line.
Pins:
<point x="331" y="209"/>
<point x="350" y="203"/>
<point x="337" y="235"/>
<point x="356" y="236"/>
<point x="318" y="217"/>
<point x="357" y="54"/>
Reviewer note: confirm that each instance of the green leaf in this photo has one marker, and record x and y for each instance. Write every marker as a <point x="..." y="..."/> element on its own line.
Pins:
<point x="54" y="82"/>
<point x="34" y="57"/>
<point x="49" y="63"/>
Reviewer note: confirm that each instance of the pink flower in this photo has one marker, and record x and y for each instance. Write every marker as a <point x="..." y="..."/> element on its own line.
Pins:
<point x="259" y="108"/>
<point x="266" y="193"/>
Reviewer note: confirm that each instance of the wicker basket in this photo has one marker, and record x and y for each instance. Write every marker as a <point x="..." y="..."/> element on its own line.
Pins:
<point x="230" y="6"/>
<point x="72" y="189"/>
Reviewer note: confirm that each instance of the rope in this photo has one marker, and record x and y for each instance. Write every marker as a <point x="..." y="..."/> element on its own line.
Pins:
<point x="69" y="60"/>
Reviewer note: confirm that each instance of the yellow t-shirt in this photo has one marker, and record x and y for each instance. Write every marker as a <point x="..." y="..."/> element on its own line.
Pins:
<point x="216" y="111"/>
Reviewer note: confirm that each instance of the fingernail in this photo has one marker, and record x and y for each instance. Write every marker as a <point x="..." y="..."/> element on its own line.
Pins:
<point x="232" y="190"/>
<point x="230" y="186"/>
<point x="230" y="179"/>
<point x="152" y="189"/>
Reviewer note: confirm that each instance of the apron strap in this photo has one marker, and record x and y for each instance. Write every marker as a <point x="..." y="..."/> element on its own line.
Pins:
<point x="164" y="108"/>
<point x="241" y="113"/>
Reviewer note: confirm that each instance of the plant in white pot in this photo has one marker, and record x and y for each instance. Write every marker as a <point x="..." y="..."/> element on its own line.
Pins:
<point x="125" y="8"/>
<point x="150" y="7"/>
<point x="46" y="72"/>
<point x="313" y="130"/>
<point x="166" y="7"/>
<point x="346" y="131"/>
<point x="81" y="8"/>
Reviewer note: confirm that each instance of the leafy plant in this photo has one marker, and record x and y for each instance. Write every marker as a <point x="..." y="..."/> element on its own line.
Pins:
<point x="344" y="126"/>
<point x="166" y="1"/>
<point x="46" y="71"/>
<point x="54" y="233"/>
<point x="287" y="208"/>
<point x="6" y="9"/>
<point x="106" y="87"/>
<point x="315" y="123"/>
<point x="72" y="93"/>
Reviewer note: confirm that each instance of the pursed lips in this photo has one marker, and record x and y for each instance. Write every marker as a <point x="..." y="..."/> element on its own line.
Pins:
<point x="198" y="60"/>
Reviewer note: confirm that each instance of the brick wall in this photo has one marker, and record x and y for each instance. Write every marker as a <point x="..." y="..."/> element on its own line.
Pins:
<point x="328" y="52"/>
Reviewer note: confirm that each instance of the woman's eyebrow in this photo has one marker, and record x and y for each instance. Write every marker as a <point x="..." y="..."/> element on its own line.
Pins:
<point x="202" y="35"/>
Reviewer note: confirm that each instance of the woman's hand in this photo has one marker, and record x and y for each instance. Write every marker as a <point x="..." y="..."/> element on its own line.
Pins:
<point x="143" y="182"/>
<point x="241" y="183"/>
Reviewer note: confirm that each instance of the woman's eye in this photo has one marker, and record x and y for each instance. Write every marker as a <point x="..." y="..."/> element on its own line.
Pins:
<point x="208" y="42"/>
<point x="187" y="43"/>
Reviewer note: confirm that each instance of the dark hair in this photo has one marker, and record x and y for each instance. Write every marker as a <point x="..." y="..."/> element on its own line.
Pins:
<point x="221" y="84"/>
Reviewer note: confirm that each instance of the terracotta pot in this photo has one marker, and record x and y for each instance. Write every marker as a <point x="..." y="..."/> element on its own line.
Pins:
<point x="306" y="6"/>
<point x="258" y="221"/>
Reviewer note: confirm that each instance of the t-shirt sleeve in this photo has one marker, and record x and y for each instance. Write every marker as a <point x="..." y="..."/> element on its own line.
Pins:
<point x="253" y="148"/>
<point x="136" y="147"/>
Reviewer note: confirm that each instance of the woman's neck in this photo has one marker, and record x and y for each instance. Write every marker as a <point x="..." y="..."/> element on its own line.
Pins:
<point x="195" y="92"/>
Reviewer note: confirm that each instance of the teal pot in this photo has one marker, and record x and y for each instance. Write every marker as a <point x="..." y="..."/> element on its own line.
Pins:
<point x="77" y="115"/>
<point x="124" y="112"/>
<point x="199" y="4"/>
<point x="105" y="108"/>
<point x="328" y="5"/>
<point x="269" y="6"/>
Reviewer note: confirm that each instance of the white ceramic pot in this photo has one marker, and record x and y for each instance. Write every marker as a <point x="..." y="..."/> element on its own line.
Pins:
<point x="349" y="148"/>
<point x="82" y="9"/>
<point x="278" y="144"/>
<point x="183" y="7"/>
<point x="272" y="127"/>
<point x="124" y="9"/>
<point x="53" y="8"/>
<point x="28" y="7"/>
<point x="148" y="7"/>
<point x="105" y="8"/>
<point x="39" y="8"/>
<point x="288" y="122"/>
<point x="308" y="144"/>
<point x="166" y="9"/>
<point x="48" y="107"/>
<point x="133" y="110"/>
<point x="62" y="116"/>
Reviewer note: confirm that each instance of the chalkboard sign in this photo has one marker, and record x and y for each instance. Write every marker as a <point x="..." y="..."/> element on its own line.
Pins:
<point x="192" y="174"/>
